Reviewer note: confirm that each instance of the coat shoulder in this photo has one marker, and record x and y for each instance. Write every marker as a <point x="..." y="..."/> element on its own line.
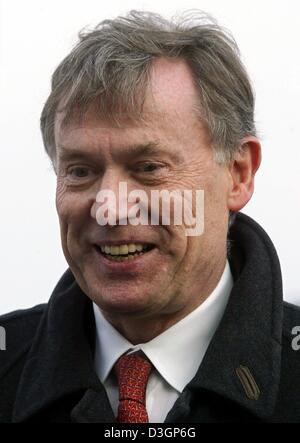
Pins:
<point x="17" y="332"/>
<point x="287" y="408"/>
<point x="291" y="318"/>
<point x="18" y="329"/>
<point x="291" y="336"/>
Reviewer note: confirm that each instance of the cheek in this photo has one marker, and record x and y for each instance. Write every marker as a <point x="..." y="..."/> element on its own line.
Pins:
<point x="215" y="216"/>
<point x="216" y="186"/>
<point x="71" y="206"/>
<point x="72" y="210"/>
<point x="185" y="250"/>
<point x="60" y="199"/>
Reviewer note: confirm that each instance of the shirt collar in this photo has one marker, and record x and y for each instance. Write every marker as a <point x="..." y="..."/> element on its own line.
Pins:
<point x="176" y="353"/>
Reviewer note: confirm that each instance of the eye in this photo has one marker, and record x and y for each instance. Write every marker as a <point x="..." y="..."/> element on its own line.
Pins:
<point x="148" y="167"/>
<point x="79" y="172"/>
<point x="75" y="173"/>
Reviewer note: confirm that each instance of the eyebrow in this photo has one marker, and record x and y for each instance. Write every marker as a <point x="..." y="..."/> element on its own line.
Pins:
<point x="64" y="153"/>
<point x="126" y="153"/>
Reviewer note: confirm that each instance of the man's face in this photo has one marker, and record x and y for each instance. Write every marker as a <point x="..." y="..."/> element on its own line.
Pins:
<point x="178" y="272"/>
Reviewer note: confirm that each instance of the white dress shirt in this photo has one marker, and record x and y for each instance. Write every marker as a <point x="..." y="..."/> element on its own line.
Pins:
<point x="176" y="354"/>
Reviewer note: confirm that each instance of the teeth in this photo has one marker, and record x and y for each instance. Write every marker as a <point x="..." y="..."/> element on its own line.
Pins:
<point x="114" y="250"/>
<point x="131" y="247"/>
<point x="123" y="249"/>
<point x="119" y="258"/>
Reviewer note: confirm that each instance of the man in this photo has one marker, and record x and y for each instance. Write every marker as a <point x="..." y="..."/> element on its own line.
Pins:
<point x="150" y="324"/>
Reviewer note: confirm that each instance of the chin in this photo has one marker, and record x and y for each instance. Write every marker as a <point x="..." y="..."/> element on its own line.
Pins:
<point x="114" y="299"/>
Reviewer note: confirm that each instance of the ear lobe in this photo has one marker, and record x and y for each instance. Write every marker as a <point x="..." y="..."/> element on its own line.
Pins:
<point x="242" y="170"/>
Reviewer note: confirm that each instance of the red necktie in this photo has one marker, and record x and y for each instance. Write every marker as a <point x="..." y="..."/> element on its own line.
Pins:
<point x="132" y="372"/>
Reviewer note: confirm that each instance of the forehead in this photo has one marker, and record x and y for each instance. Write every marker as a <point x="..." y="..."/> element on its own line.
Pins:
<point x="172" y="88"/>
<point x="169" y="110"/>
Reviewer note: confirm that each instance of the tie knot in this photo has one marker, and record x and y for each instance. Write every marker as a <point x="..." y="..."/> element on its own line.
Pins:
<point x="132" y="372"/>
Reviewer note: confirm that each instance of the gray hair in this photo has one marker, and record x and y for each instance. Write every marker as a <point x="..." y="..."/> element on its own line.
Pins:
<point x="110" y="66"/>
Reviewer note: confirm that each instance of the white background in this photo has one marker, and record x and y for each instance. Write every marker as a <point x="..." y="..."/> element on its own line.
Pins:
<point x="36" y="35"/>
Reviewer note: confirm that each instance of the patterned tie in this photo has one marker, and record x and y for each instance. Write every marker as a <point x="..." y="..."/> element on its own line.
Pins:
<point x="132" y="372"/>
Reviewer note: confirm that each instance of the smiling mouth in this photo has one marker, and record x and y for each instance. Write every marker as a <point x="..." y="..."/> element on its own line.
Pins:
<point x="125" y="252"/>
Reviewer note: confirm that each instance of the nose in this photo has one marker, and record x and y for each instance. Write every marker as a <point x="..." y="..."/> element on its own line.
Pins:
<point x="110" y="205"/>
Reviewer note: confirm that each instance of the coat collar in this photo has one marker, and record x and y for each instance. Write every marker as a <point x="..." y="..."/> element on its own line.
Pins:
<point x="60" y="362"/>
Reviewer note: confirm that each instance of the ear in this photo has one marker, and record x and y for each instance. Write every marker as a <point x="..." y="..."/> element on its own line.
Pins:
<point x="242" y="170"/>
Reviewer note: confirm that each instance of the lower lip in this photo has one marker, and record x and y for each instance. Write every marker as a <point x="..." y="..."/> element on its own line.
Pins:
<point x="126" y="265"/>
